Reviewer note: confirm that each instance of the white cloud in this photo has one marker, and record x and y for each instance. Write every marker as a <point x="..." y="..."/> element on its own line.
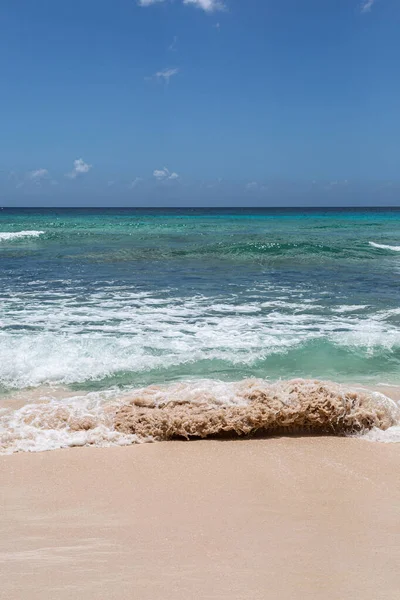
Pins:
<point x="166" y="74"/>
<point x="164" y="174"/>
<point x="207" y="5"/>
<point x="148" y="2"/>
<point x="159" y="174"/>
<point x="38" y="174"/>
<point x="80" y="168"/>
<point x="367" y="5"/>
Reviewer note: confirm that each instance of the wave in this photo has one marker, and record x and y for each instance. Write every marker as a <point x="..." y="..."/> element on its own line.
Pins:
<point x="385" y="247"/>
<point x="196" y="409"/>
<point x="349" y="308"/>
<point x="13" y="235"/>
<point x="258" y="251"/>
<point x="142" y="245"/>
<point x="117" y="336"/>
<point x="96" y="361"/>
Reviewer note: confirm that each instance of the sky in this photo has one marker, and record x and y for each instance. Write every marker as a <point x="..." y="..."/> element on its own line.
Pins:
<point x="199" y="102"/>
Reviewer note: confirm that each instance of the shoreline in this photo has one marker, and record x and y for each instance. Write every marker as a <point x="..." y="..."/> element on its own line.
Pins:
<point x="306" y="517"/>
<point x="196" y="409"/>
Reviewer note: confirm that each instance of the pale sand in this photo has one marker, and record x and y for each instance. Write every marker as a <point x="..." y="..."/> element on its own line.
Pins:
<point x="294" y="518"/>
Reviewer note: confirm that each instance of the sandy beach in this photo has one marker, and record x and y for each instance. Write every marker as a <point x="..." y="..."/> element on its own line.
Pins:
<point x="301" y="517"/>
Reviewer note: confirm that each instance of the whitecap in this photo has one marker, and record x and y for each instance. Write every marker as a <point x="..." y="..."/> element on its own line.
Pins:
<point x="12" y="235"/>
<point x="385" y="247"/>
<point x="345" y="308"/>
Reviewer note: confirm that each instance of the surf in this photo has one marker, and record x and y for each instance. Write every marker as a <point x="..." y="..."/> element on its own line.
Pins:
<point x="14" y="235"/>
<point x="385" y="247"/>
<point x="192" y="410"/>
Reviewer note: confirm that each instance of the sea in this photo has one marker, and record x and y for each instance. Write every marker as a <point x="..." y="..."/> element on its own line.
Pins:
<point x="193" y="307"/>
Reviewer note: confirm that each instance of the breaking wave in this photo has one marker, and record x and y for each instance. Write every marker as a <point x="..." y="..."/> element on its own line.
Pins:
<point x="13" y="235"/>
<point x="385" y="247"/>
<point x="96" y="339"/>
<point x="196" y="409"/>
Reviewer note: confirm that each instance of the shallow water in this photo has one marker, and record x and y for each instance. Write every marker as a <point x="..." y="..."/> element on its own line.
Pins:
<point x="107" y="301"/>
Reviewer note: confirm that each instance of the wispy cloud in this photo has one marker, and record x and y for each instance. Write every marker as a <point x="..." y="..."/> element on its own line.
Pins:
<point x="80" y="168"/>
<point x="254" y="186"/>
<point x="15" y="178"/>
<point x="135" y="183"/>
<point x="367" y="5"/>
<point x="174" y="44"/>
<point x="336" y="184"/>
<point x="38" y="174"/>
<point x="215" y="184"/>
<point x="164" y="174"/>
<point x="207" y="5"/>
<point x="165" y="75"/>
<point x="148" y="2"/>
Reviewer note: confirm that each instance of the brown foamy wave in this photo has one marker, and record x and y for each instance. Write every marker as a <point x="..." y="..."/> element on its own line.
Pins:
<point x="261" y="407"/>
<point x="199" y="409"/>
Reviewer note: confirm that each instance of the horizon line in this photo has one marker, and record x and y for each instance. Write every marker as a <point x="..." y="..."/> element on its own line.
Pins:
<point x="397" y="206"/>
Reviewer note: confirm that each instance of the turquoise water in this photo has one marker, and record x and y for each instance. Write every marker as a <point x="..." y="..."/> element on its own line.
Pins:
<point x="99" y="299"/>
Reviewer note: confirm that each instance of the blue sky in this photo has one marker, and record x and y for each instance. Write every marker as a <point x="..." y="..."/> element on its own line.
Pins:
<point x="199" y="102"/>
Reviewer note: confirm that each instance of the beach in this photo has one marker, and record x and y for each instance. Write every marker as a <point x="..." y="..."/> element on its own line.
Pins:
<point x="297" y="517"/>
<point x="200" y="300"/>
<point x="274" y="334"/>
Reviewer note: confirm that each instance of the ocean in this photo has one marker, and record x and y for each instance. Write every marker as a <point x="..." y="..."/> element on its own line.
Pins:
<point x="202" y="308"/>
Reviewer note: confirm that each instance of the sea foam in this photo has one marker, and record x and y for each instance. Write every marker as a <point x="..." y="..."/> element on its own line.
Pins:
<point x="13" y="235"/>
<point x="62" y="336"/>
<point x="196" y="409"/>
<point x="385" y="247"/>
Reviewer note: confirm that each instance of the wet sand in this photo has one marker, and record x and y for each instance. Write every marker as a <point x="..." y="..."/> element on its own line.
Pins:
<point x="291" y="518"/>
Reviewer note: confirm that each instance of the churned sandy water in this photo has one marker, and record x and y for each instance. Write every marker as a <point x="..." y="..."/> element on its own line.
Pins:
<point x="51" y="418"/>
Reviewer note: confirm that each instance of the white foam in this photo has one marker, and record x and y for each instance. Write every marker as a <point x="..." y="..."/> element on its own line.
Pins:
<point x="50" y="421"/>
<point x="54" y="421"/>
<point x="390" y="436"/>
<point x="53" y="424"/>
<point x="65" y="337"/>
<point x="345" y="308"/>
<point x="12" y="235"/>
<point x="385" y="247"/>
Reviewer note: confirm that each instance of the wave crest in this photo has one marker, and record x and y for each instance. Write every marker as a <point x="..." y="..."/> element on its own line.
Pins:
<point x="193" y="409"/>
<point x="292" y="406"/>
<point x="13" y="235"/>
<point x="385" y="247"/>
